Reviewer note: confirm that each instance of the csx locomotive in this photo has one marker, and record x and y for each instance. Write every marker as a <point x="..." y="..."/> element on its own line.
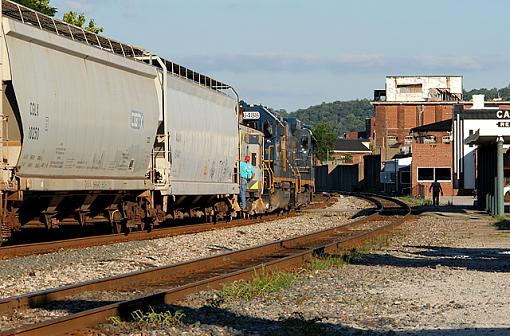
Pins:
<point x="97" y="131"/>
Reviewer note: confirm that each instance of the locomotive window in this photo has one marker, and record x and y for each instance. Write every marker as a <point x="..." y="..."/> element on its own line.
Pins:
<point x="304" y="144"/>
<point x="254" y="159"/>
<point x="268" y="130"/>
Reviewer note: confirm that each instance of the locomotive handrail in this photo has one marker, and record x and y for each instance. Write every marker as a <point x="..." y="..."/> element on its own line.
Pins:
<point x="271" y="173"/>
<point x="297" y="176"/>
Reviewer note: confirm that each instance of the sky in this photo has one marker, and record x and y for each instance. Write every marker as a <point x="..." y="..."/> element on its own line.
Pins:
<point x="291" y="54"/>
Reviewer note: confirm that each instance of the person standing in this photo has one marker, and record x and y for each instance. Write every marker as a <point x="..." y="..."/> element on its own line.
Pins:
<point x="436" y="189"/>
<point x="247" y="173"/>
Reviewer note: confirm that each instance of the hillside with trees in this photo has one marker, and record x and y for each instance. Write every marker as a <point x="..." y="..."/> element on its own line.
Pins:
<point x="342" y="116"/>
<point x="490" y="94"/>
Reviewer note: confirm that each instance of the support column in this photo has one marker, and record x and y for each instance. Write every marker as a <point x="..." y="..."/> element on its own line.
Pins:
<point x="491" y="178"/>
<point x="500" y="180"/>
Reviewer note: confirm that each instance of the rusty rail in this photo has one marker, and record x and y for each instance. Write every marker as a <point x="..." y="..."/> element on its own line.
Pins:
<point x="20" y="250"/>
<point x="197" y="275"/>
<point x="51" y="246"/>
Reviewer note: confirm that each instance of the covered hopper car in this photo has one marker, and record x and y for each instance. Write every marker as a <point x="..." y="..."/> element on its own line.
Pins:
<point x="93" y="130"/>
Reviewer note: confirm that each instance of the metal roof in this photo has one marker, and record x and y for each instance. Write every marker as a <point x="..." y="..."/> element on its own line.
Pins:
<point x="440" y="126"/>
<point x="349" y="145"/>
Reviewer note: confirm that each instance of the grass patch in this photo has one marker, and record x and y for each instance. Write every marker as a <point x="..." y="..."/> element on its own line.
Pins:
<point x="328" y="261"/>
<point x="263" y="283"/>
<point x="148" y="320"/>
<point x="415" y="201"/>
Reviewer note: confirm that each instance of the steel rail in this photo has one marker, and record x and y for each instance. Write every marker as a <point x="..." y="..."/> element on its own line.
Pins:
<point x="292" y="253"/>
<point x="21" y="250"/>
<point x="51" y="246"/>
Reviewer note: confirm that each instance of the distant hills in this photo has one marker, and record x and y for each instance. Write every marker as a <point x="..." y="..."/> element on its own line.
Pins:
<point x="342" y="116"/>
<point x="503" y="93"/>
<point x="350" y="115"/>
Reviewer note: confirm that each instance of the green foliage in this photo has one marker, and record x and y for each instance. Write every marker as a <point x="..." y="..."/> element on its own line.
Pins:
<point x="71" y="17"/>
<point x="79" y="20"/>
<point x="328" y="261"/>
<point x="490" y="94"/>
<point x="262" y="283"/>
<point x="281" y="112"/>
<point x="42" y="6"/>
<point x="347" y="158"/>
<point x="342" y="116"/>
<point x="415" y="201"/>
<point x="153" y="319"/>
<point x="326" y="137"/>
<point x="149" y="320"/>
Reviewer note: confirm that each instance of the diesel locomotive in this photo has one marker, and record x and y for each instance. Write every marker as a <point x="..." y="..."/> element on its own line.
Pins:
<point x="93" y="130"/>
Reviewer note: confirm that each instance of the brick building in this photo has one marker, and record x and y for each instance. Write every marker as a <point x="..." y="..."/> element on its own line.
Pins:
<point x="408" y="102"/>
<point x="432" y="149"/>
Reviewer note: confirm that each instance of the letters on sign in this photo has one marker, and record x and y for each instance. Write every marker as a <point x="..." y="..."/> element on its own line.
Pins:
<point x="503" y="114"/>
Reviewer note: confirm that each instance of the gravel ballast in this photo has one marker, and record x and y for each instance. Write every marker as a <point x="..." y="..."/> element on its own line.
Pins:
<point x="444" y="274"/>
<point x="35" y="273"/>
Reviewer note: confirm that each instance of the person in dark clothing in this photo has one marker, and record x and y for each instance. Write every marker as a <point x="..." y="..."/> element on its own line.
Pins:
<point x="436" y="189"/>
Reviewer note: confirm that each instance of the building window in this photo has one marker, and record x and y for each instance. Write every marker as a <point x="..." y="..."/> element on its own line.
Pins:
<point x="446" y="139"/>
<point x="408" y="139"/>
<point x="441" y="174"/>
<point x="391" y="140"/>
<point x="409" y="88"/>
<point x="425" y="174"/>
<point x="430" y="139"/>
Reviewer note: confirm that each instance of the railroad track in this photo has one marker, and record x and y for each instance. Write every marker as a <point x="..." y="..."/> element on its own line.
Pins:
<point x="20" y="250"/>
<point x="166" y="285"/>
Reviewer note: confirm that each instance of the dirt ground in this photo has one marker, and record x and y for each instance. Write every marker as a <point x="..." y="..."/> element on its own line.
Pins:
<point x="447" y="273"/>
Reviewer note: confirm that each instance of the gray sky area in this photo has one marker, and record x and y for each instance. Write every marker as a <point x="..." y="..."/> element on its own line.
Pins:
<point x="295" y="53"/>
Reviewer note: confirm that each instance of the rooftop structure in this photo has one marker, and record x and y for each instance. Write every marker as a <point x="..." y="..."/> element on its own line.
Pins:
<point x="421" y="89"/>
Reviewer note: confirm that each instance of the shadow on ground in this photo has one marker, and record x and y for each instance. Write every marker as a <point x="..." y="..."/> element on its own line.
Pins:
<point x="479" y="259"/>
<point x="503" y="224"/>
<point x="456" y="209"/>
<point x="210" y="318"/>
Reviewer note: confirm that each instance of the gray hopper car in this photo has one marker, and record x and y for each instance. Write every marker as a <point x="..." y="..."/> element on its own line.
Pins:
<point x="97" y="131"/>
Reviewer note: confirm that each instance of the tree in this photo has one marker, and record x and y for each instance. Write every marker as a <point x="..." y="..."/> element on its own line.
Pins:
<point x="71" y="17"/>
<point x="342" y="116"/>
<point x="325" y="139"/>
<point x="79" y="20"/>
<point x="42" y="6"/>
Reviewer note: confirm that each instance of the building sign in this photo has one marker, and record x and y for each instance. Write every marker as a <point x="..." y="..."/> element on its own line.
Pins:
<point x="503" y="114"/>
<point x="251" y="115"/>
<point x="504" y="124"/>
<point x="495" y="114"/>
